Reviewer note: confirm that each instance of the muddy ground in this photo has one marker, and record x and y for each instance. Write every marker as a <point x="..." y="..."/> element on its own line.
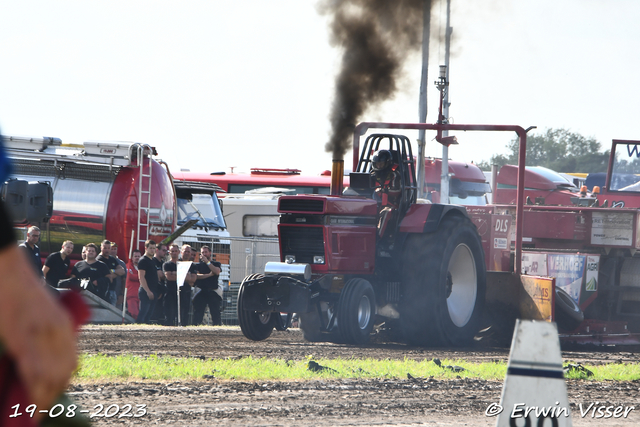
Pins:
<point x="339" y="402"/>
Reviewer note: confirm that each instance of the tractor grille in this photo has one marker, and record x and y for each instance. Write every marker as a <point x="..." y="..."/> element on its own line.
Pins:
<point x="303" y="242"/>
<point x="301" y="205"/>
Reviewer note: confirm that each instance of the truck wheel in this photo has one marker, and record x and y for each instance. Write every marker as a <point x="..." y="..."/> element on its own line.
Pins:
<point x="568" y="314"/>
<point x="256" y="326"/>
<point x="444" y="282"/>
<point x="356" y="311"/>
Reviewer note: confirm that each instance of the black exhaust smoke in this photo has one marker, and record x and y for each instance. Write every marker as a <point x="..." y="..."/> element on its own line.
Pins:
<point x="376" y="37"/>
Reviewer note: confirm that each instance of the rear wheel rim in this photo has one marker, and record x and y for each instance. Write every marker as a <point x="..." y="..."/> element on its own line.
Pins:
<point x="464" y="288"/>
<point x="364" y="312"/>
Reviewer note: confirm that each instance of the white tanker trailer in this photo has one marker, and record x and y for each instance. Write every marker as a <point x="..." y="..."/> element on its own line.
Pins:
<point x="101" y="190"/>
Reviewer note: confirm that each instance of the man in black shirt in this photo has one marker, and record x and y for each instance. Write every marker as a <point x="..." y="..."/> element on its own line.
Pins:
<point x="57" y="264"/>
<point x="92" y="270"/>
<point x="32" y="250"/>
<point x="148" y="282"/>
<point x="158" y="261"/>
<point x="208" y="272"/>
<point x="120" y="280"/>
<point x="115" y="270"/>
<point x="186" y="255"/>
<point x="170" y="269"/>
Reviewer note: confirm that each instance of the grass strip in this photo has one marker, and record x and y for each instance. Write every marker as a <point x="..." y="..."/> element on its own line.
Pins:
<point x="165" y="368"/>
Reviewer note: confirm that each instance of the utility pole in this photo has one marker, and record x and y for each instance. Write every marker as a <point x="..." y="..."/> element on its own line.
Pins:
<point x="422" y="102"/>
<point x="444" y="177"/>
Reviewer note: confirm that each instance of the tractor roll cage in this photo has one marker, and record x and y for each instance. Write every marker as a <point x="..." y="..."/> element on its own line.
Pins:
<point x="402" y="156"/>
<point x="363" y="127"/>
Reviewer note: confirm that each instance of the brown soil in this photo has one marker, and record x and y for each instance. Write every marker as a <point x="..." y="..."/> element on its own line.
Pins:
<point x="336" y="402"/>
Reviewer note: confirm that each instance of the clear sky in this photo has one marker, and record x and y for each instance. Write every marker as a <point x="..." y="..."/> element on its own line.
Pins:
<point x="248" y="83"/>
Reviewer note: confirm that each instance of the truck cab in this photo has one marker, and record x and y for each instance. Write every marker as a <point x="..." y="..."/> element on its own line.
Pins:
<point x="199" y="201"/>
<point x="467" y="186"/>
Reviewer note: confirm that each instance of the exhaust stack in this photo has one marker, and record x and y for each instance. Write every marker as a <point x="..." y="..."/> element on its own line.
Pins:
<point x="337" y="177"/>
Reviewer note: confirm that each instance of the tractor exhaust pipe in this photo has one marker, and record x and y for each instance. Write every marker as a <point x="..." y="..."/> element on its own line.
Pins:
<point x="337" y="177"/>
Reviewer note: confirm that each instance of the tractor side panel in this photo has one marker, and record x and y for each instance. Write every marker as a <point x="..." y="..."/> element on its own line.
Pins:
<point x="351" y="249"/>
<point x="426" y="218"/>
<point x="416" y="217"/>
<point x="496" y="239"/>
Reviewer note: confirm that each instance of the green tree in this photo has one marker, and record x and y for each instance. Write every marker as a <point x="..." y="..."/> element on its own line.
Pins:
<point x="557" y="149"/>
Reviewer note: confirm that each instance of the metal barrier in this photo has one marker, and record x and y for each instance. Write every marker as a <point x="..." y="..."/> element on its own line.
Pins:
<point x="248" y="256"/>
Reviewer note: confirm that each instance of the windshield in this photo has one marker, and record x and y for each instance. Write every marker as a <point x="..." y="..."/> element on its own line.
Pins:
<point x="625" y="168"/>
<point x="243" y="188"/>
<point x="468" y="193"/>
<point x="551" y="175"/>
<point x="203" y="207"/>
<point x="468" y="201"/>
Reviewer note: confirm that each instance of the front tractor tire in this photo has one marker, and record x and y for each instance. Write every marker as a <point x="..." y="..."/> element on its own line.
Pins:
<point x="257" y="326"/>
<point x="356" y="311"/>
<point x="444" y="281"/>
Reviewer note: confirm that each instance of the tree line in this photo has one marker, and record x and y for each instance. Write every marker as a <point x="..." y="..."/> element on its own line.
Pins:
<point x="556" y="149"/>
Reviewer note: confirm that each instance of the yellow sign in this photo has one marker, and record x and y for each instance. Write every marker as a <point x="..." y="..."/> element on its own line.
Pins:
<point x="536" y="302"/>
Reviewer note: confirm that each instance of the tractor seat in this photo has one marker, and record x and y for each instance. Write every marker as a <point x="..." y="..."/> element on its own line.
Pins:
<point x="359" y="185"/>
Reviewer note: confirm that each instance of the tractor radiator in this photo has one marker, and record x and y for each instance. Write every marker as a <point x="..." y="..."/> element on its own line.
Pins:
<point x="303" y="242"/>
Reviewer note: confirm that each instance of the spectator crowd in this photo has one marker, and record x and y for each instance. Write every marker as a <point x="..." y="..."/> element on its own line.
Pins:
<point x="147" y="285"/>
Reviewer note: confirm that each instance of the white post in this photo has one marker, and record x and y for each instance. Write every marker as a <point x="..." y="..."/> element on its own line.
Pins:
<point x="422" y="101"/>
<point x="444" y="176"/>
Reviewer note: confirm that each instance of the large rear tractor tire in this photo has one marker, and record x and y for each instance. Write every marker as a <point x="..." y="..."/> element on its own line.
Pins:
<point x="356" y="311"/>
<point x="444" y="283"/>
<point x="257" y="326"/>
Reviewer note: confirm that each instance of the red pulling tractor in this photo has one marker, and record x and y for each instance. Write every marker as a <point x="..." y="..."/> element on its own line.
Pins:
<point x="449" y="271"/>
<point x="430" y="277"/>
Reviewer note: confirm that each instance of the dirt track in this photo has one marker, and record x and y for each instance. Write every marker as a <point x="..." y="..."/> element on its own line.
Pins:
<point x="340" y="402"/>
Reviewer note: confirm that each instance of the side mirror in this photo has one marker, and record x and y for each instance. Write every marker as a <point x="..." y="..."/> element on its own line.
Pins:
<point x="30" y="202"/>
<point x="40" y="206"/>
<point x="15" y="196"/>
